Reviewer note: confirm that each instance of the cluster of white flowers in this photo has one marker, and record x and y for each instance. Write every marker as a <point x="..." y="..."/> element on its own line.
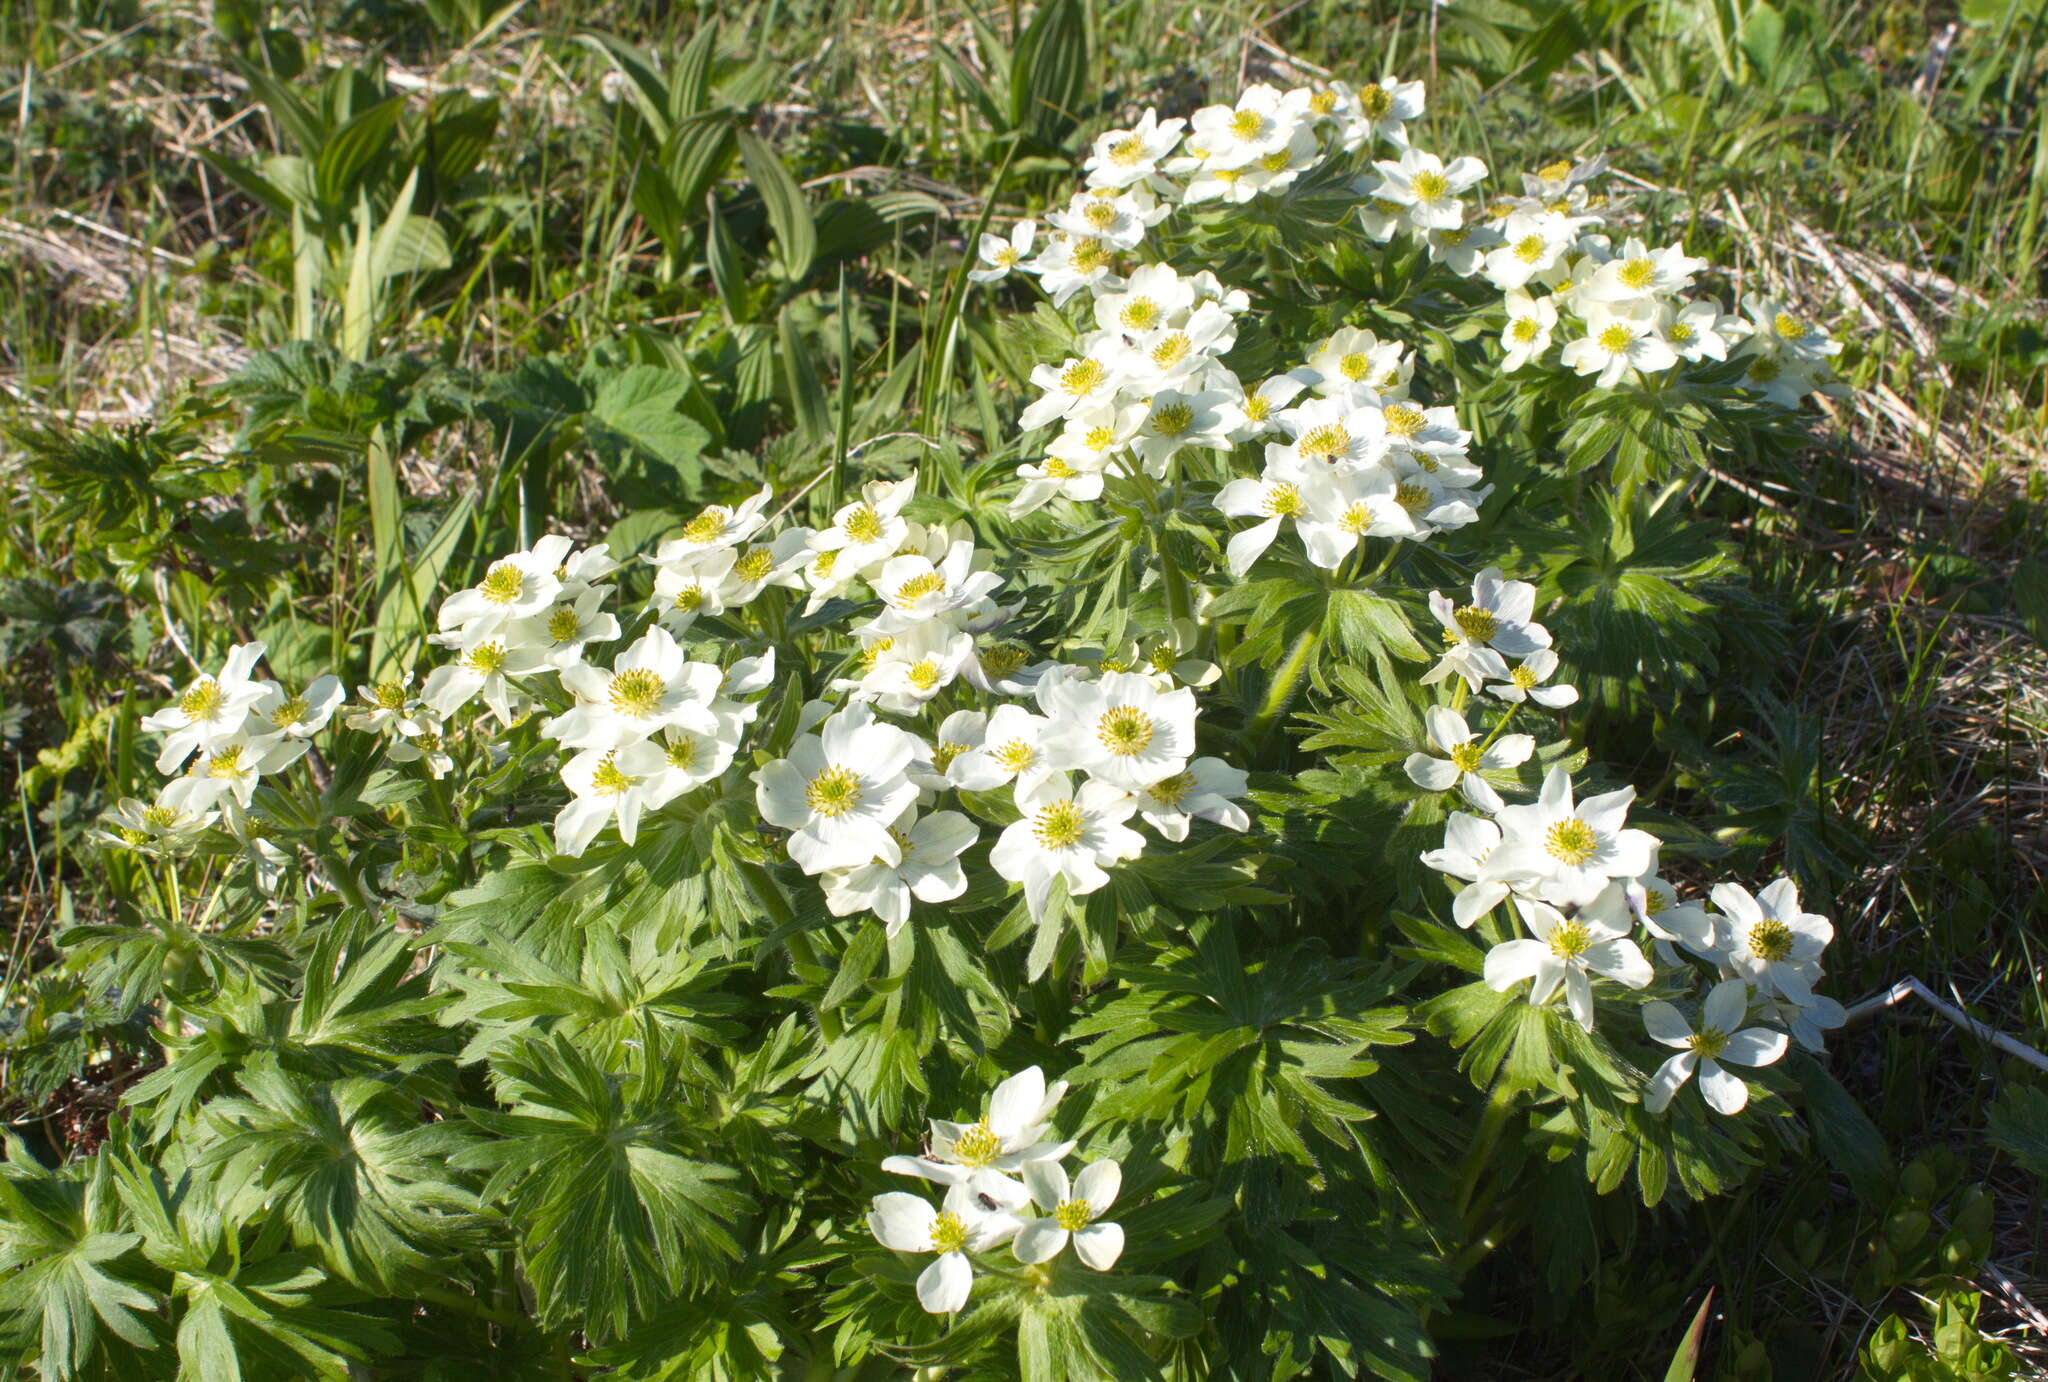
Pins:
<point x="1581" y="881"/>
<point x="1097" y="745"/>
<point x="226" y="732"/>
<point x="1005" y="1183"/>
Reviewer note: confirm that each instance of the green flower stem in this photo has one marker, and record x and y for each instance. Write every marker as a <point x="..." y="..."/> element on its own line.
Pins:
<point x="1499" y="1109"/>
<point x="469" y="1305"/>
<point x="1286" y="682"/>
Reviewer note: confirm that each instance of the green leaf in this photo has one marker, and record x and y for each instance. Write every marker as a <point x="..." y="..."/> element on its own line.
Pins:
<point x="1049" y="73"/>
<point x="641" y="406"/>
<point x="789" y="211"/>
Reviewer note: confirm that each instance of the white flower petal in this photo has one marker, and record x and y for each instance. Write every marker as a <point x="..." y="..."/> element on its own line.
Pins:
<point x="1099" y="1245"/>
<point x="942" y="1287"/>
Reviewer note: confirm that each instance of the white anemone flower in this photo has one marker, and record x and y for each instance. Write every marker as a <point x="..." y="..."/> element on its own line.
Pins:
<point x="1526" y="337"/>
<point x="691" y="758"/>
<point x="152" y="827"/>
<point x="1286" y="492"/>
<point x="695" y="586"/>
<point x="1067" y="834"/>
<point x="1498" y="620"/>
<point x="716" y="526"/>
<point x="1334" y="434"/>
<point x="1069" y="263"/>
<point x="1387" y="105"/>
<point x="1698" y="330"/>
<point x="1073" y="1213"/>
<point x="1177" y="420"/>
<point x="840" y="790"/>
<point x="1564" y="851"/>
<point x="1566" y="952"/>
<point x="570" y="625"/>
<point x="1259" y="406"/>
<point x="1619" y="339"/>
<point x="484" y="666"/>
<point x="1771" y="938"/>
<point x="1470" y="843"/>
<point x="1780" y="330"/>
<point x="1122" y="157"/>
<point x="1352" y="361"/>
<point x="425" y="745"/>
<point x="1012" y="748"/>
<point x="999" y="254"/>
<point x="929" y="870"/>
<point x="1526" y="682"/>
<point x="1237" y="136"/>
<point x="296" y="716"/>
<point x="651" y="685"/>
<point x="1466" y="759"/>
<point x="1204" y="789"/>
<point x="914" y="589"/>
<point x="1427" y="189"/>
<point x="1152" y="297"/>
<point x="210" y="709"/>
<point x="1638" y="274"/>
<point x="908" y="1223"/>
<point x="1008" y="1137"/>
<point x="607" y="785"/>
<point x="389" y="707"/>
<point x="1067" y="388"/>
<point x="868" y="531"/>
<point x="227" y="773"/>
<point x="1531" y="245"/>
<point x="1121" y="728"/>
<point x="1718" y="1043"/>
<point x="514" y="587"/>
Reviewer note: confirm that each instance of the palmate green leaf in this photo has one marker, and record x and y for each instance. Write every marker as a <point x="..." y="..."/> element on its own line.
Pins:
<point x="69" y="1296"/>
<point x="596" y="1171"/>
<point x="349" y="1168"/>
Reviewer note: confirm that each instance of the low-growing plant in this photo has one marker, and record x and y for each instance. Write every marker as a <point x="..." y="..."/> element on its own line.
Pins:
<point x="1145" y="903"/>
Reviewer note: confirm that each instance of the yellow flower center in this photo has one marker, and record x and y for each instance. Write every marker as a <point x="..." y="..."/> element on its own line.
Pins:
<point x="1101" y="215"/>
<point x="1001" y="660"/>
<point x="1060" y="825"/>
<point x="202" y="700"/>
<point x="1763" y="369"/>
<point x="1171" y="791"/>
<point x="1555" y="172"/>
<point x="917" y="587"/>
<point x="1522" y="677"/>
<point x="755" y="565"/>
<point x="487" y="658"/>
<point x="1139" y="314"/>
<point x="1788" y="326"/>
<point x="1654" y="901"/>
<point x="1247" y="124"/>
<point x="948" y="1233"/>
<point x="1376" y="101"/>
<point x="1571" y="841"/>
<point x="1708" y="1044"/>
<point x="1091" y="255"/>
<point x="690" y="597"/>
<point x="1256" y="406"/>
<point x="1430" y="186"/>
<point x="159" y="817"/>
<point x="1530" y="248"/>
<point x="872" y="654"/>
<point x="1124" y="730"/>
<point x="682" y="753"/>
<point x="1356" y="518"/>
<point x="1355" y="366"/>
<point x="1615" y="339"/>
<point x="1275" y="162"/>
<point x="636" y="692"/>
<point x="863" y="524"/>
<point x="1323" y="102"/>
<point x="1638" y="273"/>
<point x="1015" y="756"/>
<point x="833" y="793"/>
<point x="563" y="625"/>
<point x="1006" y="256"/>
<point x="1325" y="442"/>
<point x="292" y="712"/>
<point x="1099" y="438"/>
<point x="1073" y="1215"/>
<point x="1413" y="498"/>
<point x="226" y="762"/>
<point x="1172" y="350"/>
<point x="427" y="743"/>
<point x="388" y="695"/>
<point x="1172" y="419"/>
<point x="1770" y="939"/>
<point x="1466" y="757"/>
<point x="705" y="527"/>
<point x="1404" y="421"/>
<point x="944" y="753"/>
<point x="1523" y="329"/>
<point x="503" y="583"/>
<point x="1057" y="469"/>
<point x="924" y="675"/>
<point x="1569" y="940"/>
<point x="1083" y="377"/>
<point x="978" y="1146"/>
<point x="1127" y="151"/>
<point x="1283" y="500"/>
<point x="1476" y="622"/>
<point x="1162" y="659"/>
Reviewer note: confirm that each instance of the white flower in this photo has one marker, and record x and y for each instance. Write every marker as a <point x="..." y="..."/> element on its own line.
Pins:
<point x="1462" y="250"/>
<point x="1465" y="759"/>
<point x="907" y="1223"/>
<point x="1204" y="788"/>
<point x="1470" y="843"/>
<point x="716" y="526"/>
<point x="1007" y="1138"/>
<point x="483" y="667"/>
<point x="1102" y="215"/>
<point x="1071" y="263"/>
<point x="228" y="772"/>
<point x="1780" y="330"/>
<point x="1387" y="105"/>
<point x="209" y="711"/>
<point x="607" y="784"/>
<point x="1066" y="834"/>
<point x="1152" y="297"/>
<point x="1717" y="1042"/>
<point x="1399" y="427"/>
<point x="1122" y="157"/>
<point x="1174" y="356"/>
<point x="1619" y="339"/>
<point x="1073" y="1211"/>
<point x="1653" y="903"/>
<point x="1532" y="244"/>
<point x="960" y="733"/>
<point x="569" y="625"/>
<point x="1498" y="620"/>
<point x="1565" y="853"/>
<point x="1121" y="727"/>
<point x="1353" y="362"/>
<point x="914" y="589"/>
<point x="692" y="757"/>
<point x="1286" y="491"/>
<point x="1808" y="1020"/>
<point x="1237" y="136"/>
<point x="900" y="672"/>
<point x="515" y="587"/>
<point x="389" y="707"/>
<point x="1526" y="683"/>
<point x="296" y="717"/>
<point x="1068" y="388"/>
<point x="1259" y="408"/>
<point x="1011" y="748"/>
<point x="690" y="587"/>
<point x="1698" y="330"/>
<point x="1527" y="335"/>
<point x="1771" y="938"/>
<point x="929" y="870"/>
<point x="650" y="686"/>
<point x="868" y="531"/>
<point x="153" y="827"/>
<point x="1334" y="434"/>
<point x="840" y="790"/>
<point x="1637" y="274"/>
<point x="1427" y="189"/>
<point x="424" y="745"/>
<point x="1177" y="420"/>
<point x="999" y="255"/>
<point x="1567" y="952"/>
